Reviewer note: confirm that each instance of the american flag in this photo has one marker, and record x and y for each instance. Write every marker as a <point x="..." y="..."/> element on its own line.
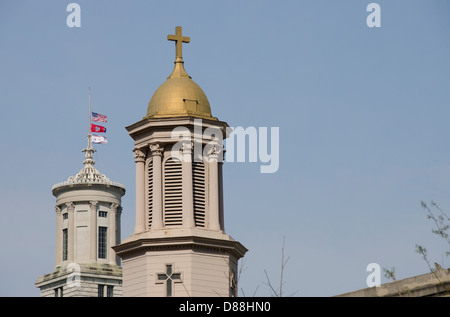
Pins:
<point x="98" y="117"/>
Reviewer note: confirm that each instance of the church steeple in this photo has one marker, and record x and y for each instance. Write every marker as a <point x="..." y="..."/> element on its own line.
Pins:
<point x="179" y="237"/>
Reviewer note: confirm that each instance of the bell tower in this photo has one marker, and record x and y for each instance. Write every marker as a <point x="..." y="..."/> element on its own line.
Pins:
<point x="179" y="246"/>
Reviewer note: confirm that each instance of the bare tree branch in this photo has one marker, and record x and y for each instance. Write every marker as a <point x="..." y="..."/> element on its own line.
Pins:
<point x="270" y="284"/>
<point x="284" y="262"/>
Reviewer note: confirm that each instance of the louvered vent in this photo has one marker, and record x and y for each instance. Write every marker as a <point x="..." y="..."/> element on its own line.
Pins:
<point x="150" y="192"/>
<point x="173" y="197"/>
<point x="199" y="187"/>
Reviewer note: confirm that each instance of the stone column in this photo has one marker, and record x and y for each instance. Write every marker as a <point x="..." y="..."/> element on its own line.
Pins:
<point x="188" y="192"/>
<point x="157" y="217"/>
<point x="70" y="232"/>
<point x="139" y="158"/>
<point x="93" y="230"/>
<point x="112" y="238"/>
<point x="58" y="236"/>
<point x="214" y="208"/>
<point x="118" y="230"/>
<point x="221" y="207"/>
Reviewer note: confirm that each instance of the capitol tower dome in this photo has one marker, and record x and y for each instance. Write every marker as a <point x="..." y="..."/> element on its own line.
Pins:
<point x="88" y="210"/>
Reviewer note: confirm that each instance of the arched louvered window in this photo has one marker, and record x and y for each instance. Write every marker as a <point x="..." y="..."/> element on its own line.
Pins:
<point x="199" y="188"/>
<point x="150" y="192"/>
<point x="173" y="196"/>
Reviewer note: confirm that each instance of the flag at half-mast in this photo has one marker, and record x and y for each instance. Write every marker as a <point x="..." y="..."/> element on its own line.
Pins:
<point x="97" y="139"/>
<point x="98" y="117"/>
<point x="97" y="128"/>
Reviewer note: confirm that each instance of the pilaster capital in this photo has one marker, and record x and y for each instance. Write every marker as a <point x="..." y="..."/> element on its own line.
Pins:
<point x="214" y="153"/>
<point x="139" y="156"/>
<point x="58" y="210"/>
<point x="156" y="149"/>
<point x="186" y="147"/>
<point x="93" y="204"/>
<point x="186" y="151"/>
<point x="70" y="206"/>
<point x="114" y="207"/>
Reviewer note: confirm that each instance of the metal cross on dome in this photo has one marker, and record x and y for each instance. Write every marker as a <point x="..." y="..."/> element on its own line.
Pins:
<point x="168" y="277"/>
<point x="179" y="40"/>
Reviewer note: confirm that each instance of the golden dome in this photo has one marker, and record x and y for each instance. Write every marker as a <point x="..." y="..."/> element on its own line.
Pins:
<point x="179" y="96"/>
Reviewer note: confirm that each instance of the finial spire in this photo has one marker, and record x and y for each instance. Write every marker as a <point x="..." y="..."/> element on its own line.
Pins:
<point x="89" y="156"/>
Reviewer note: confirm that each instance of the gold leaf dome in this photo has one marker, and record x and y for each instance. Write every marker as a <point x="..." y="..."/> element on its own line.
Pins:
<point x="179" y="96"/>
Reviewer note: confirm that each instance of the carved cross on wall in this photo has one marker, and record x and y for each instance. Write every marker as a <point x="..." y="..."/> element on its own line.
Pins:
<point x="169" y="277"/>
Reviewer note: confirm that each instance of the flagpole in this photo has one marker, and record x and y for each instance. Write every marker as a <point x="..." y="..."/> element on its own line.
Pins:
<point x="89" y="134"/>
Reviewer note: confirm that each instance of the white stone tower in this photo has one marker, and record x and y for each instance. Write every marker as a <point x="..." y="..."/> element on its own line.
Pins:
<point x="179" y="246"/>
<point x="88" y="209"/>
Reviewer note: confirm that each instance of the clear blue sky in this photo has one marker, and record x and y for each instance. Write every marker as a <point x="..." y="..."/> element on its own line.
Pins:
<point x="363" y="116"/>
